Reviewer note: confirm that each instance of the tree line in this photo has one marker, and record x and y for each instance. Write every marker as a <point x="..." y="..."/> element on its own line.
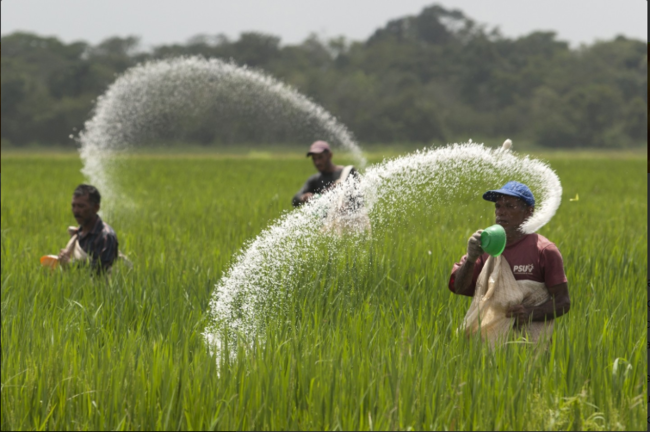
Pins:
<point x="431" y="78"/>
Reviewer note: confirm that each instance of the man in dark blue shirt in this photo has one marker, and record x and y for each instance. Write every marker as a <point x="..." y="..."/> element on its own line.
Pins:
<point x="328" y="175"/>
<point x="94" y="240"/>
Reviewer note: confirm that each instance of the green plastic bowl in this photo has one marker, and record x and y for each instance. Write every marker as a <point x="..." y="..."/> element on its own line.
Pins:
<point x="493" y="240"/>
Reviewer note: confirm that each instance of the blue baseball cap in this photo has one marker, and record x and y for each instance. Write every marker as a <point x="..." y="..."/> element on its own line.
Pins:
<point x="512" y="188"/>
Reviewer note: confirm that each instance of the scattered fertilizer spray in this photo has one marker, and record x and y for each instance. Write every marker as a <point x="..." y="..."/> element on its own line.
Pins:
<point x="151" y="102"/>
<point x="259" y="283"/>
<point x="156" y="101"/>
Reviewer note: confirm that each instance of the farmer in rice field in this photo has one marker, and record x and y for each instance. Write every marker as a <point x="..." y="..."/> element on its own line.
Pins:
<point x="530" y="257"/>
<point x="93" y="241"/>
<point x="328" y="175"/>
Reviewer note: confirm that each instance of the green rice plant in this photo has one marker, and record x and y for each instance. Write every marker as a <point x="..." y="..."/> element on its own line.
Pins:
<point x="365" y="342"/>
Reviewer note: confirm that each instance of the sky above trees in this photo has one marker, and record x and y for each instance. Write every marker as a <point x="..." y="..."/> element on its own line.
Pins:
<point x="165" y="21"/>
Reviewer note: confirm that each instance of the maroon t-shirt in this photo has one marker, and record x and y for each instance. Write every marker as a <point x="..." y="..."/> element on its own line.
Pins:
<point x="533" y="257"/>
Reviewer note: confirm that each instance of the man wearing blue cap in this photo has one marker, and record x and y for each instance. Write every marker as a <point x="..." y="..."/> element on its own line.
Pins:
<point x="531" y="257"/>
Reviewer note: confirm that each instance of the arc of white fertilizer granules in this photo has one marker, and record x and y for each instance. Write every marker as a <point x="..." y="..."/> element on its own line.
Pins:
<point x="265" y="266"/>
<point x="375" y="181"/>
<point x="143" y="98"/>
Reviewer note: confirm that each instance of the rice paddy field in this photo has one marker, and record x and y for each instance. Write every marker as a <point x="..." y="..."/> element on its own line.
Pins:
<point x="367" y="344"/>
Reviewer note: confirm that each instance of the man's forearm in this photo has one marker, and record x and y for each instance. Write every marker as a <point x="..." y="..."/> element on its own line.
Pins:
<point x="464" y="275"/>
<point x="554" y="307"/>
<point x="297" y="198"/>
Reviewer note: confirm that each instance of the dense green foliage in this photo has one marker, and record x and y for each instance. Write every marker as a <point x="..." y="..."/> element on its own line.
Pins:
<point x="369" y="349"/>
<point x="435" y="77"/>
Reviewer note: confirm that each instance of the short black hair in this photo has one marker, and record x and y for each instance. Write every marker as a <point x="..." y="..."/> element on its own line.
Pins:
<point x="91" y="191"/>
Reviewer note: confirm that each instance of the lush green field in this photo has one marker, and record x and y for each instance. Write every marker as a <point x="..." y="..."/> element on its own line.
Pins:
<point x="368" y="344"/>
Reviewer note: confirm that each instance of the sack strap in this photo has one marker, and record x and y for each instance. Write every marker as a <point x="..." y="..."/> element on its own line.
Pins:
<point x="73" y="249"/>
<point x="345" y="173"/>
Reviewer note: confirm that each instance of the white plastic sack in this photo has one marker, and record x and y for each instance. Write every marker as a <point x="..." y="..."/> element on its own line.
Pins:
<point x="496" y="292"/>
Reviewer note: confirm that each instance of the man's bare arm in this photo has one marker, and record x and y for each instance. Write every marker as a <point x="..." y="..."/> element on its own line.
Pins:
<point x="299" y="198"/>
<point x="465" y="274"/>
<point x="557" y="305"/>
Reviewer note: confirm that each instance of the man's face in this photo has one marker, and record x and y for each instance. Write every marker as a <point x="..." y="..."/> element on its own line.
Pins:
<point x="83" y="209"/>
<point x="321" y="160"/>
<point x="511" y="212"/>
